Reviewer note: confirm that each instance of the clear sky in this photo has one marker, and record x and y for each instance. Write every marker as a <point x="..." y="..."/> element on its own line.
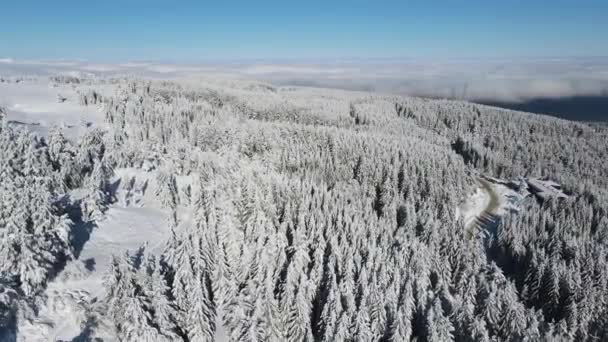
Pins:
<point x="114" y="30"/>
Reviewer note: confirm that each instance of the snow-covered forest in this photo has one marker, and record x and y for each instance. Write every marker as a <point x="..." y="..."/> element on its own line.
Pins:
<point x="240" y="211"/>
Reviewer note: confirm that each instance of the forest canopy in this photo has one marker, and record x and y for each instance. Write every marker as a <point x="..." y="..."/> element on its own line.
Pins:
<point x="298" y="214"/>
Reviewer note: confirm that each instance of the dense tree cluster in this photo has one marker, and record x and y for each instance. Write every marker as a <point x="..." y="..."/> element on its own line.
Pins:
<point x="323" y="215"/>
<point x="36" y="230"/>
<point x="512" y="144"/>
<point x="35" y="235"/>
<point x="336" y="221"/>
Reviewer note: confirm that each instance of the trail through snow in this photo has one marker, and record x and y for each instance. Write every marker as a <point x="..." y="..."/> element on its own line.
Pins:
<point x="484" y="208"/>
<point x="473" y="206"/>
<point x="494" y="201"/>
<point x="489" y="218"/>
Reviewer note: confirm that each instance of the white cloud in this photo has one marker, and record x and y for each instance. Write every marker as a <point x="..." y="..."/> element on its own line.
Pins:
<point x="490" y="80"/>
<point x="498" y="80"/>
<point x="170" y="68"/>
<point x="133" y="64"/>
<point x="293" y="69"/>
<point x="100" y="67"/>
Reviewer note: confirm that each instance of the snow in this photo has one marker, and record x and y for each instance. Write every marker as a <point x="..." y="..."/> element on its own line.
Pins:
<point x="493" y="197"/>
<point x="545" y="189"/>
<point x="35" y="104"/>
<point x="81" y="282"/>
<point x="473" y="207"/>
<point x="135" y="219"/>
<point x="509" y="200"/>
<point x="126" y="227"/>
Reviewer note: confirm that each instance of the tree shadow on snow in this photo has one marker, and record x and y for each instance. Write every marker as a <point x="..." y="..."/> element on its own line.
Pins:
<point x="87" y="332"/>
<point x="81" y="231"/>
<point x="8" y="333"/>
<point x="113" y="189"/>
<point x="489" y="223"/>
<point x="89" y="264"/>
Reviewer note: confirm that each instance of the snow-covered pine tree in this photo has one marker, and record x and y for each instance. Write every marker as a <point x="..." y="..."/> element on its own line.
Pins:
<point x="97" y="197"/>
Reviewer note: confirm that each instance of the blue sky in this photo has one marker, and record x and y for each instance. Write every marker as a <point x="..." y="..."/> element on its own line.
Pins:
<point x="226" y="30"/>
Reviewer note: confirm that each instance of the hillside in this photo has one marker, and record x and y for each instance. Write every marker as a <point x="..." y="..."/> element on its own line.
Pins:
<point x="212" y="209"/>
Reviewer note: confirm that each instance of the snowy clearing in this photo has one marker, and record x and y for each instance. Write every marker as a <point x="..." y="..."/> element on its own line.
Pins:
<point x="473" y="206"/>
<point x="36" y="103"/>
<point x="492" y="198"/>
<point x="134" y="220"/>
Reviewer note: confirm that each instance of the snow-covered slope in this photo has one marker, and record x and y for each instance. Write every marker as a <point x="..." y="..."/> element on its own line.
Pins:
<point x="491" y="197"/>
<point x="71" y="295"/>
<point x="36" y="103"/>
<point x="136" y="219"/>
<point x="299" y="214"/>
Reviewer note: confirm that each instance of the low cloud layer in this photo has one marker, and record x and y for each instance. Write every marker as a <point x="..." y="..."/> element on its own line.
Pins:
<point x="495" y="80"/>
<point x="513" y="80"/>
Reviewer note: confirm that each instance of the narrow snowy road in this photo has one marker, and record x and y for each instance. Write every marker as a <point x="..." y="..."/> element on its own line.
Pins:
<point x="489" y="218"/>
<point x="484" y="212"/>
<point x="494" y="202"/>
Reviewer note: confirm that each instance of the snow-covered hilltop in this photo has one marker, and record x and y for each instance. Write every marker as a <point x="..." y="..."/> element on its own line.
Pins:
<point x="224" y="210"/>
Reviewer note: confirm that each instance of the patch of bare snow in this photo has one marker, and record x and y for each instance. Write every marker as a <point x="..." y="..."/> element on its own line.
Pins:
<point x="126" y="227"/>
<point x="508" y="199"/>
<point x="81" y="282"/>
<point x="35" y="104"/>
<point x="473" y="206"/>
<point x="494" y="197"/>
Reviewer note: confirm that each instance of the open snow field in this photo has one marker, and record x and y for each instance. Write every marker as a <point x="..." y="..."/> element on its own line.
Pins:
<point x="134" y="220"/>
<point x="80" y="283"/>
<point x="35" y="103"/>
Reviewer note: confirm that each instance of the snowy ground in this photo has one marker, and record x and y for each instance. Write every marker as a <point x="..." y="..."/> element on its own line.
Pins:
<point x="492" y="198"/>
<point x="135" y="219"/>
<point x="80" y="284"/>
<point x="35" y="103"/>
<point x="509" y="200"/>
<point x="545" y="189"/>
<point x="473" y="206"/>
